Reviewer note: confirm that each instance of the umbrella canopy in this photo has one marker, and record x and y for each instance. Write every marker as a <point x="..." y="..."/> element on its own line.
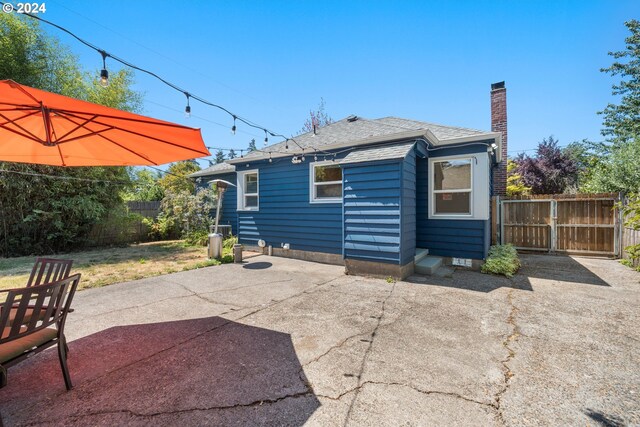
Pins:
<point x="46" y="128"/>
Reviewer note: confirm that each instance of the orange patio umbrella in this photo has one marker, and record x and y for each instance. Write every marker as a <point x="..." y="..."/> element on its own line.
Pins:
<point x="46" y="128"/>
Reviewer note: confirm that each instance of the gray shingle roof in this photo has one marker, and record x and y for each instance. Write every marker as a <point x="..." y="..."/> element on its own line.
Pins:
<point x="441" y="132"/>
<point x="216" y="169"/>
<point x="378" y="153"/>
<point x="346" y="131"/>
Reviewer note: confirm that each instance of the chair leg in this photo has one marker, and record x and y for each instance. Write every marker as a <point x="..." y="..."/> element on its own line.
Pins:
<point x="62" y="355"/>
<point x="3" y="376"/>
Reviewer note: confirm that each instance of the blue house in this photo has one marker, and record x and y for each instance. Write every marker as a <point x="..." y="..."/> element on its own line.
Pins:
<point x="370" y="194"/>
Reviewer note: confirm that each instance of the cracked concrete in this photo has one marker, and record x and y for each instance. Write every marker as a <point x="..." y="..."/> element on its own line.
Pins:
<point x="295" y="343"/>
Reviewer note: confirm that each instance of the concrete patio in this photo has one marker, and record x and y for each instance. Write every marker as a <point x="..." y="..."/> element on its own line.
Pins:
<point x="284" y="342"/>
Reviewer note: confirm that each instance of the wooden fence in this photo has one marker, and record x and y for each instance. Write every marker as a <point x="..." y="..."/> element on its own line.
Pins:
<point x="114" y="230"/>
<point x="571" y="223"/>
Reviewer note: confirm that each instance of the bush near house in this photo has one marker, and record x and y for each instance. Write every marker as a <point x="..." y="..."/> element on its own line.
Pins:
<point x="502" y="259"/>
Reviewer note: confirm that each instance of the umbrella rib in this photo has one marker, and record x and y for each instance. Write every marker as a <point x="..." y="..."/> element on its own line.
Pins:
<point x="129" y="119"/>
<point x="131" y="132"/>
<point x="129" y="150"/>
<point x="78" y="126"/>
<point x="26" y="133"/>
<point x="33" y="112"/>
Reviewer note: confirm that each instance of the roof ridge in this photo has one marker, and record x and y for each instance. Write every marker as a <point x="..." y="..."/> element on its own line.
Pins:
<point x="432" y="124"/>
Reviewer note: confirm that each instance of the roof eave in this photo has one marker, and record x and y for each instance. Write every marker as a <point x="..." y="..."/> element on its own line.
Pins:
<point x="496" y="136"/>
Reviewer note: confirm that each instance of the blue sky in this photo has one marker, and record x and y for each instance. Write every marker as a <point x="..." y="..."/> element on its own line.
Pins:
<point x="272" y="61"/>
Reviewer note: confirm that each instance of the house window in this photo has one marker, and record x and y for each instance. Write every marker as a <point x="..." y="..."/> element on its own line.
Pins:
<point x="248" y="190"/>
<point x="452" y="186"/>
<point x="326" y="183"/>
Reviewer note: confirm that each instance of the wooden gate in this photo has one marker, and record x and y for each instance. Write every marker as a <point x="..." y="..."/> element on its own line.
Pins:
<point x="581" y="223"/>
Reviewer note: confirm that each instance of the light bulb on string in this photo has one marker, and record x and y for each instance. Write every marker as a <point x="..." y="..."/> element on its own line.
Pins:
<point x="315" y="156"/>
<point x="266" y="138"/>
<point x="104" y="74"/>
<point x="270" y="159"/>
<point x="241" y="154"/>
<point x="187" y="109"/>
<point x="302" y="158"/>
<point x="233" y="128"/>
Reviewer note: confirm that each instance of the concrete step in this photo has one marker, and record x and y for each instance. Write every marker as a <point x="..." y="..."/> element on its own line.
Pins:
<point x="428" y="265"/>
<point x="420" y="253"/>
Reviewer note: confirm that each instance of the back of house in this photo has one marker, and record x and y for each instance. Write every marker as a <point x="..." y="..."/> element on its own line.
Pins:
<point x="375" y="195"/>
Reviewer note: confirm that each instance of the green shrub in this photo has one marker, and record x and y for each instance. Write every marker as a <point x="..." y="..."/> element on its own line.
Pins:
<point x="502" y="259"/>
<point x="197" y="238"/>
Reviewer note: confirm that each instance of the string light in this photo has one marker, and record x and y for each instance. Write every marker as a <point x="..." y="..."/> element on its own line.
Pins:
<point x="266" y="138"/>
<point x="241" y="154"/>
<point x="104" y="78"/>
<point x="270" y="160"/>
<point x="302" y="155"/>
<point x="187" y="109"/>
<point x="104" y="74"/>
<point x="315" y="155"/>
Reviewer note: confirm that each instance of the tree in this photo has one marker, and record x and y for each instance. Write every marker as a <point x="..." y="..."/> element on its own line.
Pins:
<point x="622" y="121"/>
<point x="318" y="118"/>
<point x="615" y="164"/>
<point x="176" y="180"/>
<point x="46" y="209"/>
<point x="616" y="170"/>
<point x="252" y="146"/>
<point x="145" y="186"/>
<point x="232" y="154"/>
<point x="515" y="186"/>
<point x="550" y="172"/>
<point x="219" y="156"/>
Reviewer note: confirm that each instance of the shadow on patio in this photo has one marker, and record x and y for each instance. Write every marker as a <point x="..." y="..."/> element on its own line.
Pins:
<point x="557" y="268"/>
<point x="208" y="371"/>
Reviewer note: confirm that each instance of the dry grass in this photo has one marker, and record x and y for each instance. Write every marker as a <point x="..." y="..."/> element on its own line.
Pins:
<point x="101" y="267"/>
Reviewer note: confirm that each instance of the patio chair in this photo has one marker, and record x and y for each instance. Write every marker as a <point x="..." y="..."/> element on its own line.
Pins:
<point x="31" y="320"/>
<point x="47" y="270"/>
<point x="44" y="271"/>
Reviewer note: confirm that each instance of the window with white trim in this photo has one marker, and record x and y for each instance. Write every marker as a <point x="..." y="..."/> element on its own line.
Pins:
<point x="452" y="187"/>
<point x="325" y="182"/>
<point x="248" y="192"/>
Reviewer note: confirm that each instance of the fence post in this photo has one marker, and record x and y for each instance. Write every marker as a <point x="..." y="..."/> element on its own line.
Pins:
<point x="554" y="226"/>
<point x="501" y="219"/>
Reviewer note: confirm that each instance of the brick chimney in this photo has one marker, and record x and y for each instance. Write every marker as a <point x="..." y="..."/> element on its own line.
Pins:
<point x="499" y="124"/>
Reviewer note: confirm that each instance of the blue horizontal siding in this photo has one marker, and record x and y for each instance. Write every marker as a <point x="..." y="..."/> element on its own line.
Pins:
<point x="453" y="238"/>
<point x="286" y="215"/>
<point x="408" y="195"/>
<point x="372" y="211"/>
<point x="460" y="238"/>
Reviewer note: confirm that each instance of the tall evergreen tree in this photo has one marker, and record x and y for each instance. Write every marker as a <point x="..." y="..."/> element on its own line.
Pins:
<point x="252" y="146"/>
<point x="232" y="154"/>
<point x="622" y="121"/>
<point x="219" y="156"/>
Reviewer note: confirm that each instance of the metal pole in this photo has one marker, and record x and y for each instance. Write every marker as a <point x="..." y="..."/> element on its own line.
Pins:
<point x="220" y="196"/>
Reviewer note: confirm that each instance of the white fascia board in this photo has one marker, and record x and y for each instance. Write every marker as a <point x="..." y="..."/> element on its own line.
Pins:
<point x="496" y="136"/>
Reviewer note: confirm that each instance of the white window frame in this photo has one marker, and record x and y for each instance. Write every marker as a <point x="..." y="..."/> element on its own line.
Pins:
<point x="433" y="192"/>
<point x="241" y="192"/>
<point x="313" y="184"/>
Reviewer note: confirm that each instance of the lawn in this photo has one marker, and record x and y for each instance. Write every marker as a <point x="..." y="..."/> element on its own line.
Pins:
<point x="101" y="267"/>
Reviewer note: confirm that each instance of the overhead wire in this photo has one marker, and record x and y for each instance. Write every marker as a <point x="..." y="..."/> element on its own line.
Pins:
<point x="188" y="94"/>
